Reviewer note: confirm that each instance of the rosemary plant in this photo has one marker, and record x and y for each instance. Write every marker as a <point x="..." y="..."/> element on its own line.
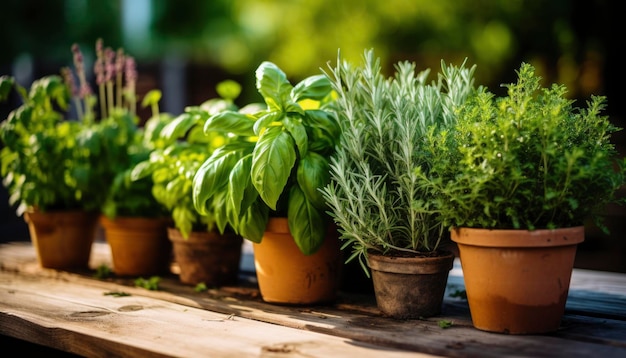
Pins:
<point x="374" y="195"/>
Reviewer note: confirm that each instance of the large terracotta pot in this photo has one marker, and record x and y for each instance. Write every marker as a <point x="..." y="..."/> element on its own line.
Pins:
<point x="410" y="287"/>
<point x="139" y="246"/>
<point x="286" y="276"/>
<point x="517" y="281"/>
<point x="207" y="257"/>
<point x="62" y="239"/>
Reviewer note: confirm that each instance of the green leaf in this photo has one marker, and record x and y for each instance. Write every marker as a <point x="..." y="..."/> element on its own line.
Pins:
<point x="178" y="127"/>
<point x="151" y="98"/>
<point x="228" y="89"/>
<point x="313" y="173"/>
<point x="6" y="83"/>
<point x="323" y="130"/>
<point x="273" y="158"/>
<point x="297" y="130"/>
<point x="213" y="175"/>
<point x="266" y="121"/>
<point x="239" y="124"/>
<point x="273" y="85"/>
<point x="219" y="213"/>
<point x="253" y="223"/>
<point x="142" y="170"/>
<point x="314" y="87"/>
<point x="240" y="189"/>
<point x="306" y="223"/>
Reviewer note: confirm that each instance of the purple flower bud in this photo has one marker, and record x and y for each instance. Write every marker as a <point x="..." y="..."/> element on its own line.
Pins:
<point x="98" y="69"/>
<point x="109" y="56"/>
<point x="131" y="70"/>
<point x="68" y="78"/>
<point x="119" y="61"/>
<point x="78" y="58"/>
<point x="85" y="90"/>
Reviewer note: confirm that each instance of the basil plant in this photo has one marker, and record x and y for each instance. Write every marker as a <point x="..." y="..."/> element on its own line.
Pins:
<point x="274" y="162"/>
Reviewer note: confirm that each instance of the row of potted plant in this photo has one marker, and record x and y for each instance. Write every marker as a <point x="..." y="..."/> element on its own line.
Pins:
<point x="350" y="165"/>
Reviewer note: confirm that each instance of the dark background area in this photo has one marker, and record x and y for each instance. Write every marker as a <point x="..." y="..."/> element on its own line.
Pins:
<point x="186" y="47"/>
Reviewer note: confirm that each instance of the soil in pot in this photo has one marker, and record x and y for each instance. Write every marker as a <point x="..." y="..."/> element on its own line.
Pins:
<point x="286" y="276"/>
<point x="62" y="240"/>
<point x="207" y="257"/>
<point x="517" y="281"/>
<point x="410" y="287"/>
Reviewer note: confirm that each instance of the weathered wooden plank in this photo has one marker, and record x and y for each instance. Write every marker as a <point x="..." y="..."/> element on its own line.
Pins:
<point x="82" y="320"/>
<point x="356" y="318"/>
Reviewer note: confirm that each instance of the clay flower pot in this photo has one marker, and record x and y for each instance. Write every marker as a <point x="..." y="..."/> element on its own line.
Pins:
<point x="286" y="276"/>
<point x="207" y="257"/>
<point x="62" y="239"/>
<point x="517" y="281"/>
<point x="139" y="246"/>
<point x="410" y="287"/>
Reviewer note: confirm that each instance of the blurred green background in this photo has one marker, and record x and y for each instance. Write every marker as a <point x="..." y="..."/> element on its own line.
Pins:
<point x="185" y="47"/>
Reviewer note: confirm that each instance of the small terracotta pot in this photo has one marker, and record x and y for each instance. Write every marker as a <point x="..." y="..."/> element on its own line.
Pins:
<point x="287" y="276"/>
<point x="517" y="281"/>
<point x="139" y="246"/>
<point x="207" y="257"/>
<point x="410" y="287"/>
<point x="62" y="240"/>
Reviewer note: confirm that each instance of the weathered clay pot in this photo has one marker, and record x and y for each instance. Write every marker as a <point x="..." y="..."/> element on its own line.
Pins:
<point x="517" y="281"/>
<point x="286" y="276"/>
<point x="410" y="287"/>
<point x="62" y="240"/>
<point x="207" y="257"/>
<point x="139" y="246"/>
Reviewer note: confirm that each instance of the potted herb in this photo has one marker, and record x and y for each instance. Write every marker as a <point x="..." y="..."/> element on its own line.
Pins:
<point x="383" y="214"/>
<point x="516" y="179"/>
<point x="55" y="168"/>
<point x="201" y="252"/>
<point x="264" y="183"/>
<point x="134" y="221"/>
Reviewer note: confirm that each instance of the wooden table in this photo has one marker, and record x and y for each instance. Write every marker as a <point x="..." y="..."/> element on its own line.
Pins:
<point x="77" y="313"/>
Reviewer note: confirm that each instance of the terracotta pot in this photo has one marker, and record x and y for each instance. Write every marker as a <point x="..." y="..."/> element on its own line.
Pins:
<point x="517" y="281"/>
<point x="410" y="287"/>
<point x="62" y="240"/>
<point x="139" y="246"/>
<point x="207" y="257"/>
<point x="286" y="276"/>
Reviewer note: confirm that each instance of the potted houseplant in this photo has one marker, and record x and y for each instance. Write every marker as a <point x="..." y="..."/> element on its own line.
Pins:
<point x="264" y="183"/>
<point x="135" y="223"/>
<point x="55" y="167"/>
<point x="516" y="179"/>
<point x="383" y="214"/>
<point x="201" y="252"/>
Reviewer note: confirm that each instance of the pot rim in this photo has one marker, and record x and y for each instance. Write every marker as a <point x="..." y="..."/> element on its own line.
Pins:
<point x="518" y="238"/>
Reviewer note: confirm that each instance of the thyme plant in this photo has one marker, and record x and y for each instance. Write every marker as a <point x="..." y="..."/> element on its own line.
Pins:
<point x="528" y="160"/>
<point x="374" y="194"/>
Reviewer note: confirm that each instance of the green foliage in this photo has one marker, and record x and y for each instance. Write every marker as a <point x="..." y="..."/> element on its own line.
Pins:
<point x="103" y="271"/>
<point x="117" y="294"/>
<point x="52" y="163"/>
<point x="127" y="196"/>
<point x="200" y="287"/>
<point x="445" y="324"/>
<point x="528" y="160"/>
<point x="374" y="195"/>
<point x="274" y="161"/>
<point x="462" y="294"/>
<point x="172" y="168"/>
<point x="151" y="284"/>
